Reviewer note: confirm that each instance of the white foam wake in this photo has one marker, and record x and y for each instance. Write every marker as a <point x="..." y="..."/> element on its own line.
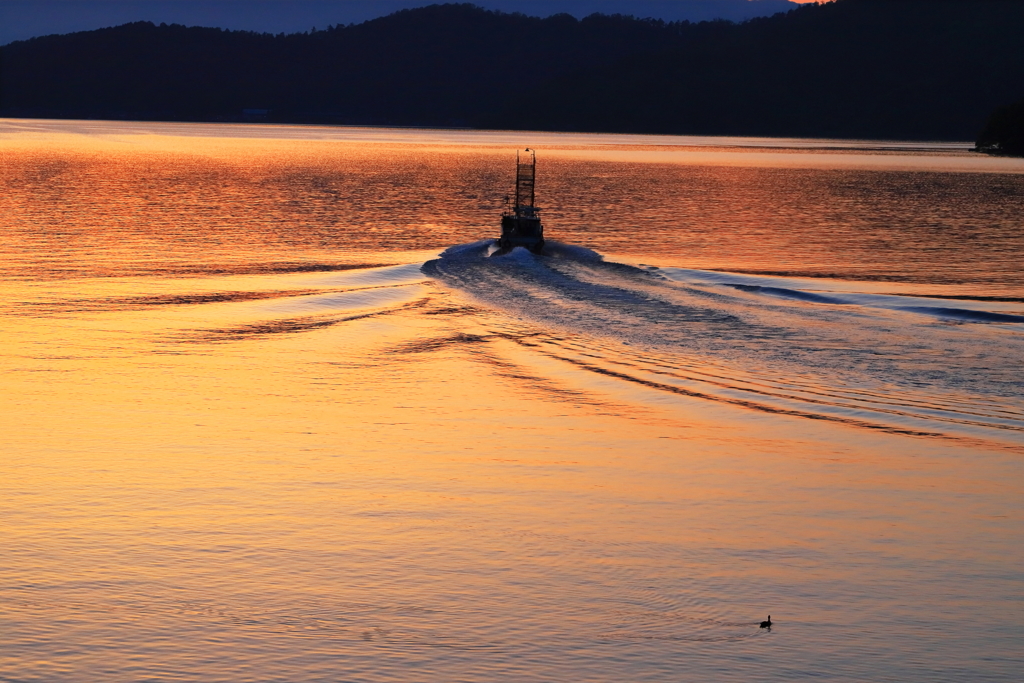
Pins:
<point x="914" y="363"/>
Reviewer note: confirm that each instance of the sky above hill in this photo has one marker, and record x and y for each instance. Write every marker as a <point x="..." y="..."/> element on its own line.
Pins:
<point x="22" y="19"/>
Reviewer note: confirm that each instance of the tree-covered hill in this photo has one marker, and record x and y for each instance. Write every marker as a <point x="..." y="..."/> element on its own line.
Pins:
<point x="910" y="69"/>
<point x="853" y="68"/>
<point x="439" y="65"/>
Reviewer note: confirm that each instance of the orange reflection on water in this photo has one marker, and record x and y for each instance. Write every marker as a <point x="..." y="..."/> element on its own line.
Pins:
<point x="200" y="204"/>
<point x="236" y="451"/>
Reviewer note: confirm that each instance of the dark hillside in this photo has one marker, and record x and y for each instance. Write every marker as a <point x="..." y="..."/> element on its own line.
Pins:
<point x="854" y="68"/>
<point x="439" y="65"/>
<point x="925" y="69"/>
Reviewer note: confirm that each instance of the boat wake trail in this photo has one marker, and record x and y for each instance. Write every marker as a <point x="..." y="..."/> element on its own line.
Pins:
<point x="819" y="349"/>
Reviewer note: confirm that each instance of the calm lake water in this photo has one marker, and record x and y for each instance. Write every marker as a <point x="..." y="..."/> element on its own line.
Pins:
<point x="273" y="410"/>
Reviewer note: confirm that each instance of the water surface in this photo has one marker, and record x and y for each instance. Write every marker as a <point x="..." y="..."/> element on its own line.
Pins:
<point x="274" y="411"/>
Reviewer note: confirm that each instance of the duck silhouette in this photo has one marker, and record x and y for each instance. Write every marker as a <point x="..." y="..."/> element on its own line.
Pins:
<point x="767" y="624"/>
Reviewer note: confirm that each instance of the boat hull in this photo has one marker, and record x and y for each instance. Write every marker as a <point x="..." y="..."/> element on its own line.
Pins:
<point x="521" y="231"/>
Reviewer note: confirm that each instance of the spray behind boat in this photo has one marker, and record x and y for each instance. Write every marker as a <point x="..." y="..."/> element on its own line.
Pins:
<point x="520" y="221"/>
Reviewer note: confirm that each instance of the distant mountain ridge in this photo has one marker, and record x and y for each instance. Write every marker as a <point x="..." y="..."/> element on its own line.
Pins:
<point x="914" y="69"/>
<point x="24" y="19"/>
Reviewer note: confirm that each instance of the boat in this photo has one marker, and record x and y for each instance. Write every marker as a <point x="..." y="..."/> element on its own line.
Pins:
<point x="520" y="221"/>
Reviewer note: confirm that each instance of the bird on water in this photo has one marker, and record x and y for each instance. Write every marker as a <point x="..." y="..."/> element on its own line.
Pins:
<point x="767" y="624"/>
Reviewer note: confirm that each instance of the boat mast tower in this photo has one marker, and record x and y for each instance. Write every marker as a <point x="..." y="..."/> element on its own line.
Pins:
<point x="526" y="173"/>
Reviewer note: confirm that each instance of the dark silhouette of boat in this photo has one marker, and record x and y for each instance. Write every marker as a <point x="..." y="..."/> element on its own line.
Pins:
<point x="520" y="221"/>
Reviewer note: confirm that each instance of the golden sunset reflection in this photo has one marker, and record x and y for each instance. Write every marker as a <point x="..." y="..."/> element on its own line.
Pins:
<point x="248" y="432"/>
